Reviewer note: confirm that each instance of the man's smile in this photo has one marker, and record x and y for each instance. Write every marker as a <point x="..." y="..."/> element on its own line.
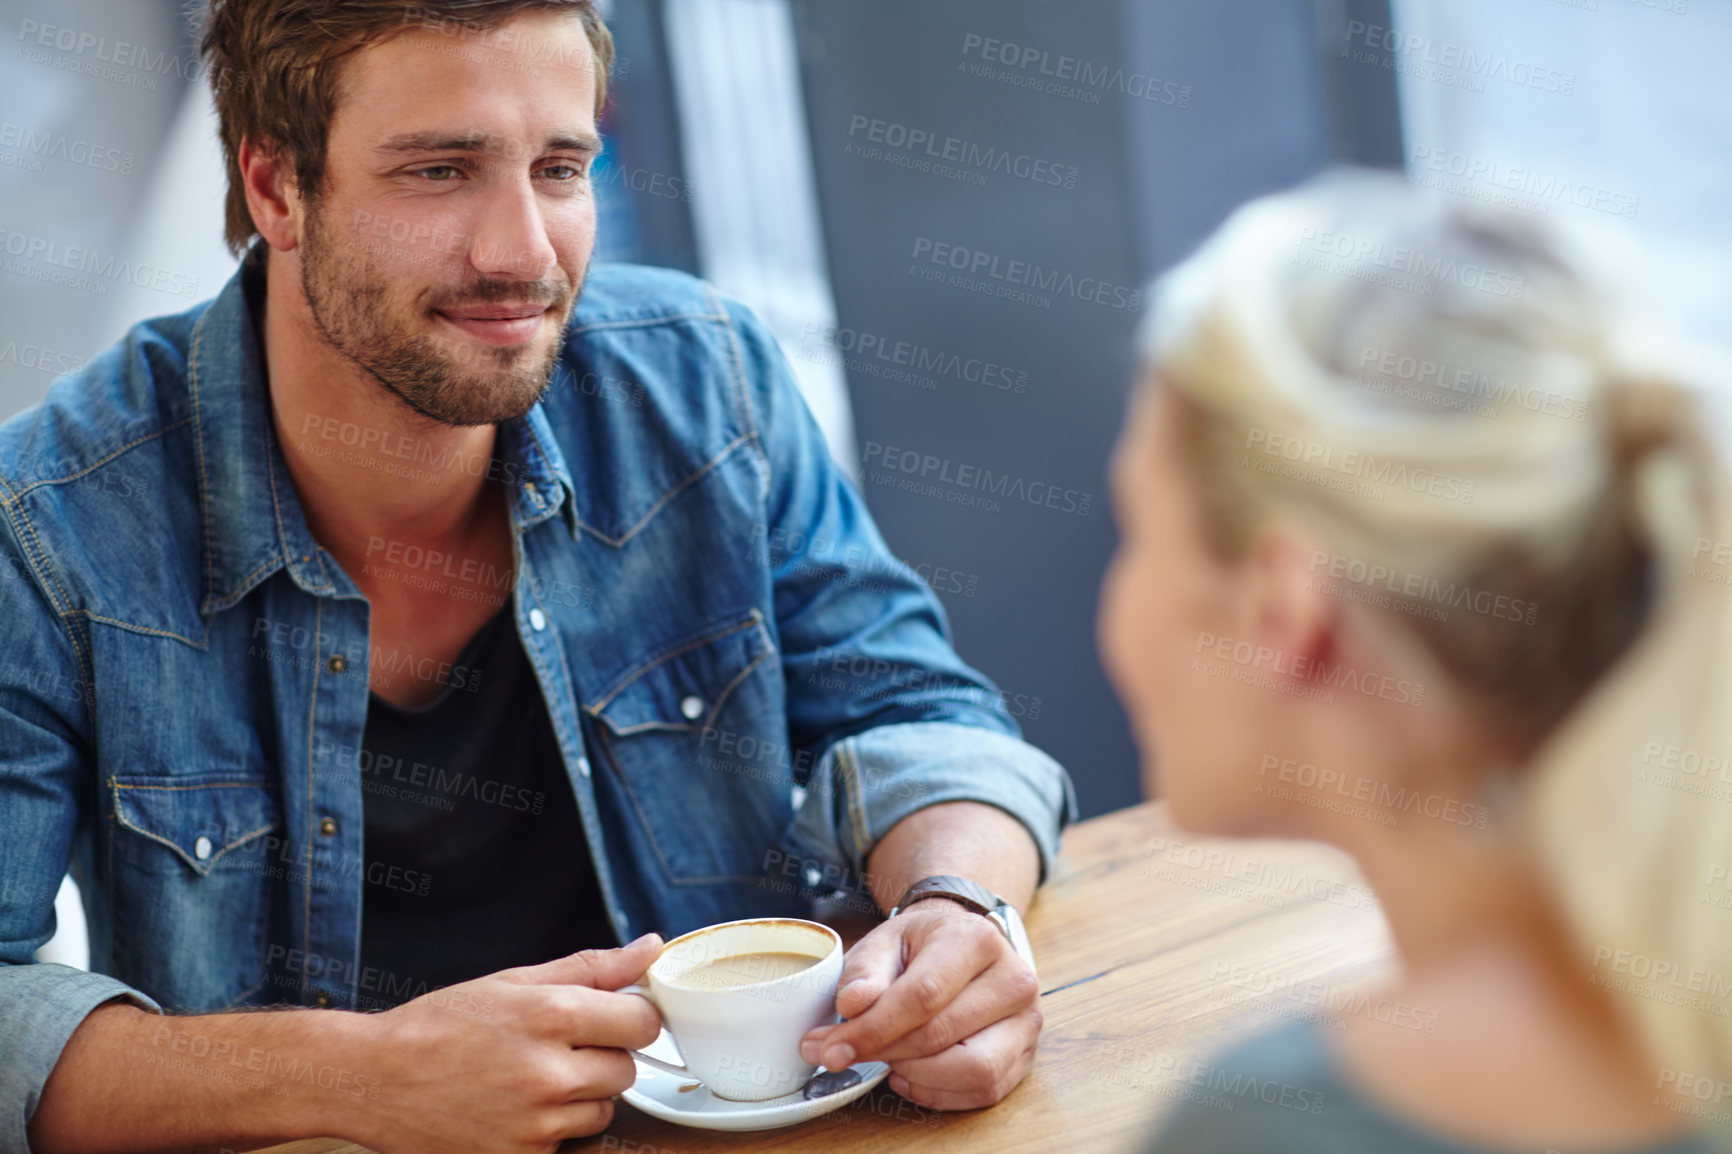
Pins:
<point x="497" y="324"/>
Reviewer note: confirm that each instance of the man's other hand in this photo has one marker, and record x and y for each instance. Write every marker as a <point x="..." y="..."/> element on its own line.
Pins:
<point x="938" y="993"/>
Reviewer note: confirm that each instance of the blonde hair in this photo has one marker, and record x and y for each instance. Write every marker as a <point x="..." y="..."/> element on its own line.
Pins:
<point x="1476" y="400"/>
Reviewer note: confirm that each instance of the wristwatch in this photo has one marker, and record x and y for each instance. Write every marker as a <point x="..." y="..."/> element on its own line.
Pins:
<point x="977" y="898"/>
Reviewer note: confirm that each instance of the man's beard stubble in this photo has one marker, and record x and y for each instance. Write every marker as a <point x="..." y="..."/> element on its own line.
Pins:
<point x="444" y="379"/>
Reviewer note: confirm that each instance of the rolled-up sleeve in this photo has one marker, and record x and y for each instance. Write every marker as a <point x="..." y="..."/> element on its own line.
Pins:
<point x="40" y="1006"/>
<point x="869" y="782"/>
<point x="43" y="777"/>
<point x="887" y="718"/>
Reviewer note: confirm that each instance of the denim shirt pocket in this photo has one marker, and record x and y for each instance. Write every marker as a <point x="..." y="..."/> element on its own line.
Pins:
<point x="191" y="858"/>
<point x="706" y="818"/>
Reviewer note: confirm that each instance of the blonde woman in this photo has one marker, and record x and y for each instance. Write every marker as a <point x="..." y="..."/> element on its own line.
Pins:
<point x="1423" y="554"/>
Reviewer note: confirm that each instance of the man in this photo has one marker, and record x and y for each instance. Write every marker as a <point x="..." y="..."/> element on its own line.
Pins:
<point x="396" y="632"/>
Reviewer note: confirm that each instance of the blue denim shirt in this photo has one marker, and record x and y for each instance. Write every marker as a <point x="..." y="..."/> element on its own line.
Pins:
<point x="747" y="688"/>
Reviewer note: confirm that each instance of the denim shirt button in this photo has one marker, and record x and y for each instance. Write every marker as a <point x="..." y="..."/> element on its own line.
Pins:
<point x="321" y="999"/>
<point x="336" y="664"/>
<point x="201" y="849"/>
<point x="328" y="826"/>
<point x="537" y="620"/>
<point x="692" y="707"/>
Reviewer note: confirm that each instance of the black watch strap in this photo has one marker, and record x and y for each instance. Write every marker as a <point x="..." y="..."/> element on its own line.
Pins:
<point x="971" y="894"/>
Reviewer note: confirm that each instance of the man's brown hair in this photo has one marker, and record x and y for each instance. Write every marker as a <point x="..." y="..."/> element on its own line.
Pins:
<point x="274" y="68"/>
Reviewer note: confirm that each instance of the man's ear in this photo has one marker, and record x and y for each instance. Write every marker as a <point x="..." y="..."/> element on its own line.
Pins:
<point x="1292" y="613"/>
<point x="272" y="197"/>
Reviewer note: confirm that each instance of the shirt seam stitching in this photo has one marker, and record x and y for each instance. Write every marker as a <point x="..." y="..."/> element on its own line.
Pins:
<point x="136" y="628"/>
<point x="18" y="494"/>
<point x="855" y="795"/>
<point x="741" y="398"/>
<point x="644" y="667"/>
<point x="204" y="498"/>
<point x="312" y="731"/>
<point x="58" y="599"/>
<point x="707" y="467"/>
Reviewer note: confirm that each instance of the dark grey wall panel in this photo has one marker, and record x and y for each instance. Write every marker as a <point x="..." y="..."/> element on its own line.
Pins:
<point x="998" y="181"/>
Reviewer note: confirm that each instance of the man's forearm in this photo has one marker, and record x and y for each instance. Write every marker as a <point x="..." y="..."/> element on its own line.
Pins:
<point x="130" y="1080"/>
<point x="962" y="838"/>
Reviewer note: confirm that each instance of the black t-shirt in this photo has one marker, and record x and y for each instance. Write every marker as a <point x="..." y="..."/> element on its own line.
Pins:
<point x="476" y="860"/>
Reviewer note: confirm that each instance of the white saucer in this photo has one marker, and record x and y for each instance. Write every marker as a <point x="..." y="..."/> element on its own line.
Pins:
<point x="657" y="1092"/>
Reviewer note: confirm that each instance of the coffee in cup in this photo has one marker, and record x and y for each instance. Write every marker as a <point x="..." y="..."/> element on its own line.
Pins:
<point x="738" y="997"/>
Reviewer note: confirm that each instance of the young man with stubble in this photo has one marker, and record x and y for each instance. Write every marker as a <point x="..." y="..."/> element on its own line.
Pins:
<point x="445" y="645"/>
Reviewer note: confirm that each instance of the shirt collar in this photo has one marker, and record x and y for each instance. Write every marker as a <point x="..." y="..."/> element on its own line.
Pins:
<point x="252" y="519"/>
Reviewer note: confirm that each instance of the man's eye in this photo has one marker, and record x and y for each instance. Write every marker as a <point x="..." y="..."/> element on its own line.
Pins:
<point x="441" y="173"/>
<point x="563" y="172"/>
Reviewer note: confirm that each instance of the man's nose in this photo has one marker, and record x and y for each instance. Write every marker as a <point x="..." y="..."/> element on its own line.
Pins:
<point x="511" y="236"/>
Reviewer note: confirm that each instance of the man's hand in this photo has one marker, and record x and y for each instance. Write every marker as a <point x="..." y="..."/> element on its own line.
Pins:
<point x="516" y="1061"/>
<point x="939" y="994"/>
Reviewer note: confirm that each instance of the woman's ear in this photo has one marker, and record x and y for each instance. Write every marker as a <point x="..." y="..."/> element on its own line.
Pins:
<point x="1290" y="613"/>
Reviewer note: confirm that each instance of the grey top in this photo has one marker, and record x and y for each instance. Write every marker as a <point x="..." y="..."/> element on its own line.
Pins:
<point x="1283" y="1091"/>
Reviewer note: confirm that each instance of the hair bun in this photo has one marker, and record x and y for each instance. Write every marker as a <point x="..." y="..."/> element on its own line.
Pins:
<point x="1646" y="413"/>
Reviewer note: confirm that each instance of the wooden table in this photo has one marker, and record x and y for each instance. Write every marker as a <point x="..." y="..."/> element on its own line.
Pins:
<point x="1154" y="949"/>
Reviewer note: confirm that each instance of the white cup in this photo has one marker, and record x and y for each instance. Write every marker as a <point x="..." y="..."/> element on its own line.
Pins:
<point x="743" y="1041"/>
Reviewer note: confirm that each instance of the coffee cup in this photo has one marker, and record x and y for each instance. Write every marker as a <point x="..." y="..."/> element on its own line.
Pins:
<point x="738" y="997"/>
